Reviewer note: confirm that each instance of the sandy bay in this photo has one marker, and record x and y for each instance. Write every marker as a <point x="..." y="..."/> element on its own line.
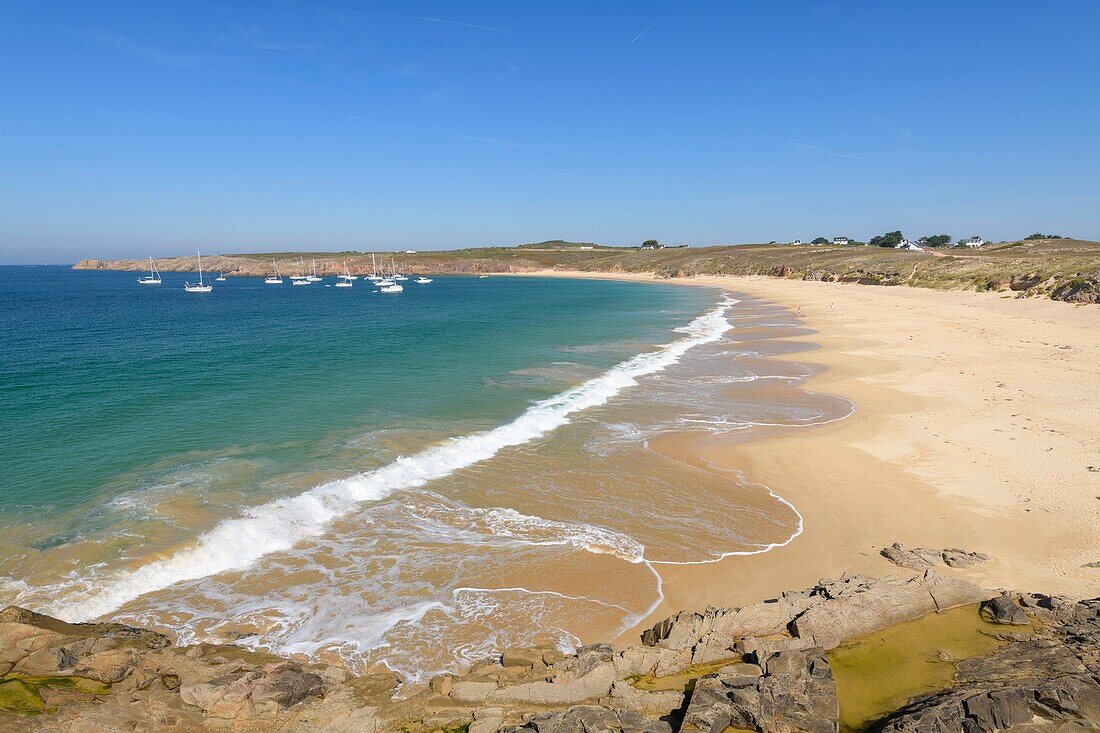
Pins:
<point x="975" y="426"/>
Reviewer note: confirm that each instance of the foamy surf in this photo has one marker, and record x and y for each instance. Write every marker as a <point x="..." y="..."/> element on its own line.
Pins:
<point x="279" y="525"/>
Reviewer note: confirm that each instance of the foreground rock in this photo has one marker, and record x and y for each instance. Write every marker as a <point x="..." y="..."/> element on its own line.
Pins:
<point x="762" y="667"/>
<point x="826" y="616"/>
<point x="1050" y="682"/>
<point x="794" y="692"/>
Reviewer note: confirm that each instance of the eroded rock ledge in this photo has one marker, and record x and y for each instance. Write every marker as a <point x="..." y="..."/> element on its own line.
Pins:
<point x="761" y="667"/>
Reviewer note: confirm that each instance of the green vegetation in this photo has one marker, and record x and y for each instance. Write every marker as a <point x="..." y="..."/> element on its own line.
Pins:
<point x="879" y="673"/>
<point x="1037" y="235"/>
<point x="889" y="239"/>
<point x="820" y="240"/>
<point x="936" y="240"/>
<point x="20" y="694"/>
<point x="1042" y="265"/>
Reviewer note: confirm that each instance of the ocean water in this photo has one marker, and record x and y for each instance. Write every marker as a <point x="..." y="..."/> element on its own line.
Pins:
<point x="414" y="480"/>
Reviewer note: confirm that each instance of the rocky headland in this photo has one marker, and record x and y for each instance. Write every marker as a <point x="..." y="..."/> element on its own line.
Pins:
<point x="767" y="667"/>
<point x="1065" y="269"/>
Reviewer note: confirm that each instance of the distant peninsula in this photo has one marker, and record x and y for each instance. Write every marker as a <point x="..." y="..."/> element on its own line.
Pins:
<point x="1060" y="269"/>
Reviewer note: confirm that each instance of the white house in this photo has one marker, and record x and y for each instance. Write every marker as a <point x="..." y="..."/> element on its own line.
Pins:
<point x="797" y="241"/>
<point x="974" y="242"/>
<point x="909" y="245"/>
<point x="840" y="240"/>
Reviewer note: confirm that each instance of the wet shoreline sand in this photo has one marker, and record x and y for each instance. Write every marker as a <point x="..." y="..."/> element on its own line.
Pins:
<point x="975" y="427"/>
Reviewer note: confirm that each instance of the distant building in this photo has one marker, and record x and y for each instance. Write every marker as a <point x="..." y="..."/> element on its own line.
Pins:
<point x="909" y="245"/>
<point x="797" y="241"/>
<point x="974" y="242"/>
<point x="586" y="247"/>
<point x="840" y="240"/>
<point x="652" y="245"/>
<point x="410" y="251"/>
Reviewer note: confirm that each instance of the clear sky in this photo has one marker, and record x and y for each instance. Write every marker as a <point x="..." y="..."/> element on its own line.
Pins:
<point x="134" y="128"/>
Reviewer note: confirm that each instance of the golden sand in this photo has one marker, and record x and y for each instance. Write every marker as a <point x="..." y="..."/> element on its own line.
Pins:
<point x="977" y="426"/>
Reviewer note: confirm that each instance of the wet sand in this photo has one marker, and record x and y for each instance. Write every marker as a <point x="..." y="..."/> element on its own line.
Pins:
<point x="976" y="426"/>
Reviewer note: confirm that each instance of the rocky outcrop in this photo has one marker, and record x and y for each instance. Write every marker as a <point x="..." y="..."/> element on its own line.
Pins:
<point x="590" y="719"/>
<point x="1078" y="290"/>
<point x="274" y="688"/>
<point x="1003" y="610"/>
<point x="794" y="692"/>
<point x="922" y="558"/>
<point x="1050" y="681"/>
<point x="762" y="667"/>
<point x="825" y="615"/>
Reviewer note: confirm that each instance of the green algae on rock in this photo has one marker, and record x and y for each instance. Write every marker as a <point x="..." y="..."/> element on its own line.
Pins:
<point x="21" y="694"/>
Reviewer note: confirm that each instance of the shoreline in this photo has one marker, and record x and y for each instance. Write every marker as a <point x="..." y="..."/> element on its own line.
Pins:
<point x="971" y="430"/>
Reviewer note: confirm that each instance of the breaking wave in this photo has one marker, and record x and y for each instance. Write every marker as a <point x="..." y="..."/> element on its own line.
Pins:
<point x="279" y="525"/>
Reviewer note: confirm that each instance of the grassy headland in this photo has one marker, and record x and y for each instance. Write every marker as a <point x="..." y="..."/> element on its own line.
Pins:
<point x="1062" y="269"/>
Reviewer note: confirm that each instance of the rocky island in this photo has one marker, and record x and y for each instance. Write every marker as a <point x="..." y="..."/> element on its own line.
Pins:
<point x="814" y="660"/>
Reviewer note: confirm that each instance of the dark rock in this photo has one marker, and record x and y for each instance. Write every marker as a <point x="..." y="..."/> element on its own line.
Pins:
<point x="795" y="693"/>
<point x="1003" y="610"/>
<point x="591" y="719"/>
<point x="1048" y="681"/>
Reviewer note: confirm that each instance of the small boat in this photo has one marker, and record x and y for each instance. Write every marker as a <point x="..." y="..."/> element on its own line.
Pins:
<point x="483" y="277"/>
<point x="200" y="288"/>
<point x="423" y="280"/>
<point x="274" y="279"/>
<point x="374" y="276"/>
<point x="344" y="281"/>
<point x="220" y="278"/>
<point x="153" y="278"/>
<point x="299" y="278"/>
<point x="389" y="285"/>
<point x="312" y="277"/>
<point x="299" y="282"/>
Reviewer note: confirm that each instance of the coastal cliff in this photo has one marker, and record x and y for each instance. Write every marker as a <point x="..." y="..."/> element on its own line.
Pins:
<point x="797" y="662"/>
<point x="1066" y="269"/>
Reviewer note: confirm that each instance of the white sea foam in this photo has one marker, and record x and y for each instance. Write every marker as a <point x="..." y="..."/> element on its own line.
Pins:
<point x="278" y="525"/>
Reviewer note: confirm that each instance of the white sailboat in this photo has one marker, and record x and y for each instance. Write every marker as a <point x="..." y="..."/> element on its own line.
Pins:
<point x="200" y="288"/>
<point x="299" y="278"/>
<point x="220" y="278"/>
<point x="274" y="279"/>
<point x="374" y="276"/>
<point x="344" y="281"/>
<point x="153" y="278"/>
<point x="313" y="273"/>
<point x="389" y="285"/>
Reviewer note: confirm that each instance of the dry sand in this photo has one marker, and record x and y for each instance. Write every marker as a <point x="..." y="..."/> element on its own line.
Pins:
<point x="977" y="426"/>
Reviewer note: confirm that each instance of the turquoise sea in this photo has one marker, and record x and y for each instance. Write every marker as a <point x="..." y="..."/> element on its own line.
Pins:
<point x="410" y="479"/>
<point x="106" y="381"/>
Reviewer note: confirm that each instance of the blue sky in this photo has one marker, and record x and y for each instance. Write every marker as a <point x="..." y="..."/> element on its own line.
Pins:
<point x="131" y="128"/>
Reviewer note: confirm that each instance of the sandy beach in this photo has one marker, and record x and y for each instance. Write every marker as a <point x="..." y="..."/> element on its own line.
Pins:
<point x="975" y="427"/>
